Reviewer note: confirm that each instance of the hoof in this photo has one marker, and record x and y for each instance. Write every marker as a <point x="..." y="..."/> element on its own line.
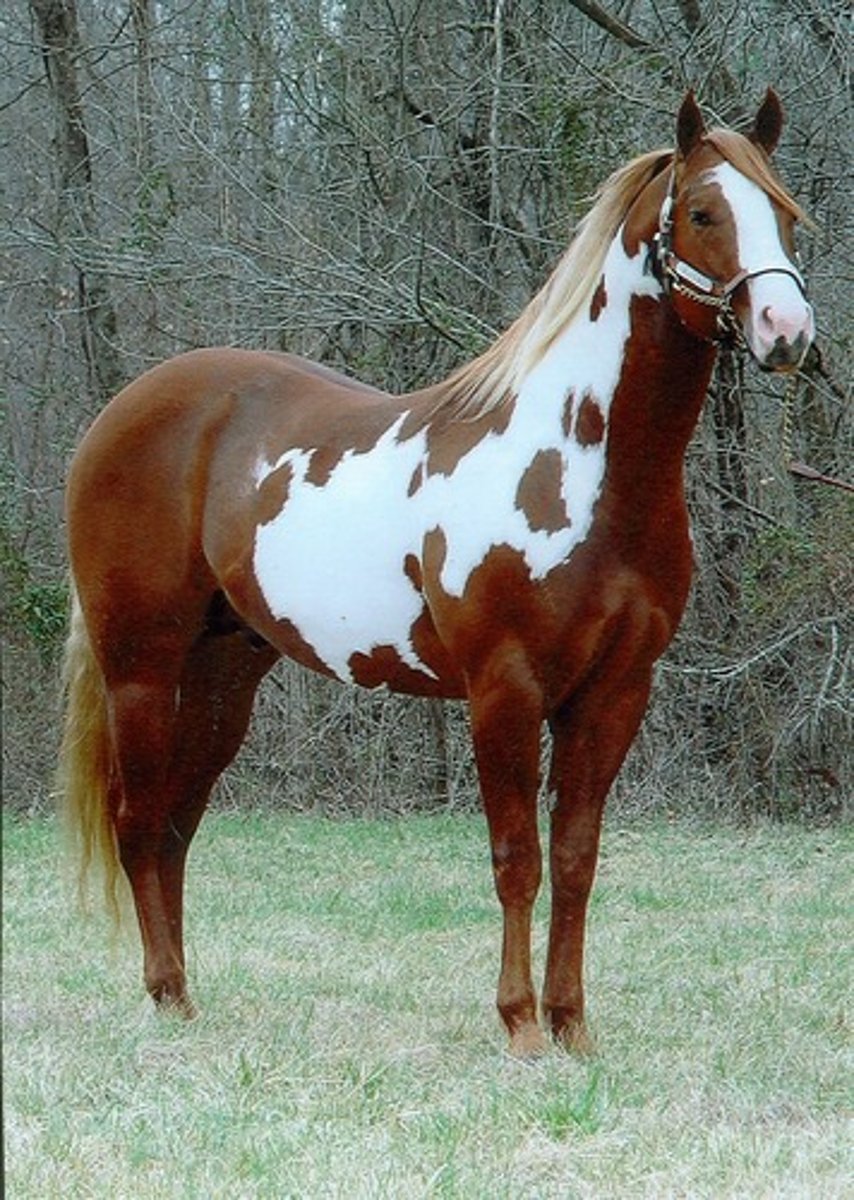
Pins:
<point x="174" y="1006"/>
<point x="576" y="1040"/>
<point x="568" y="1029"/>
<point x="527" y="1042"/>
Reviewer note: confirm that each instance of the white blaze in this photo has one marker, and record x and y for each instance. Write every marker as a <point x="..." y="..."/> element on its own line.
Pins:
<point x="777" y="305"/>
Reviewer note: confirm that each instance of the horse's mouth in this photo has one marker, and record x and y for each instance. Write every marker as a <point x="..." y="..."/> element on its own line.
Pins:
<point x="785" y="357"/>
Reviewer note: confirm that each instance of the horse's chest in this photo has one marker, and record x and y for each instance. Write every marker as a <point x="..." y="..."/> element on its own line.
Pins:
<point x="532" y="492"/>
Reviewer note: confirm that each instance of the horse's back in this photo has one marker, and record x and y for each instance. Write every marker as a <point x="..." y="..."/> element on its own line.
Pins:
<point x="156" y="440"/>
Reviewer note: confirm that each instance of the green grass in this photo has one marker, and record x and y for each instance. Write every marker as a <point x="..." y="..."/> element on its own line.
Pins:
<point x="348" y="1045"/>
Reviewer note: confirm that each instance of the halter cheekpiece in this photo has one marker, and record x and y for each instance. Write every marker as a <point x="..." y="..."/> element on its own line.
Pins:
<point x="676" y="275"/>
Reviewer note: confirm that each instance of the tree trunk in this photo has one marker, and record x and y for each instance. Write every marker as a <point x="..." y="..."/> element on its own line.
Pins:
<point x="78" y="224"/>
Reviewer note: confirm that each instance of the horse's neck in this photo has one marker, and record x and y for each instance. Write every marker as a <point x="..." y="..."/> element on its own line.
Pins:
<point x="625" y="365"/>
<point x="621" y="378"/>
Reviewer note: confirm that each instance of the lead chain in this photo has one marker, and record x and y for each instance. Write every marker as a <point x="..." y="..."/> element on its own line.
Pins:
<point x="788" y="406"/>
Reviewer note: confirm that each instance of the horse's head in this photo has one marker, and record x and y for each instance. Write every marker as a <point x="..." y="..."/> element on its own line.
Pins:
<point x="725" y="247"/>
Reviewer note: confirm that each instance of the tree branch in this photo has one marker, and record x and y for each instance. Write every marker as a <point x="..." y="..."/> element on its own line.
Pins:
<point x="616" y="28"/>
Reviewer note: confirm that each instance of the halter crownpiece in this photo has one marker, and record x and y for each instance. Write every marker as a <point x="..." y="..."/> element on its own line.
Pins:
<point x="676" y="275"/>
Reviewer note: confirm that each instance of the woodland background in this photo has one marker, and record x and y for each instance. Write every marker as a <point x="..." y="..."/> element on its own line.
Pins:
<point x="383" y="186"/>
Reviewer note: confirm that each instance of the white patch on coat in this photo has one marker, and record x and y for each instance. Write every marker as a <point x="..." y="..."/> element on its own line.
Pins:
<point x="331" y="561"/>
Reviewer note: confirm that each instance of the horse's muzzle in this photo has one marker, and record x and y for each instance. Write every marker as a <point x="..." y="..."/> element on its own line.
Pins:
<point x="786" y="355"/>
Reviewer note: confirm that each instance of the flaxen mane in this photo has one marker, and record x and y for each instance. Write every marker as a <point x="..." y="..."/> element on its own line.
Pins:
<point x="483" y="385"/>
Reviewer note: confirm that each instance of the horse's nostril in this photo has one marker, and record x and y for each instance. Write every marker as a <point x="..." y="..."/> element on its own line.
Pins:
<point x="778" y="324"/>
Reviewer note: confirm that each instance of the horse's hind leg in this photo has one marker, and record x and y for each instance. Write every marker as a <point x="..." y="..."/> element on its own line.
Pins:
<point x="143" y="711"/>
<point x="173" y="738"/>
<point x="217" y="690"/>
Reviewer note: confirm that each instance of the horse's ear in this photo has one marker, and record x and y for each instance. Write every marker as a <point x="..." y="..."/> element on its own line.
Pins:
<point x="689" y="125"/>
<point x="768" y="123"/>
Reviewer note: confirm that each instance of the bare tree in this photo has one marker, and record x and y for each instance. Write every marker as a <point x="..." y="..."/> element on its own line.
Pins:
<point x="77" y="225"/>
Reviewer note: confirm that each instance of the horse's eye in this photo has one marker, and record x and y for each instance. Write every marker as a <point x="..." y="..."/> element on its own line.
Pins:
<point x="699" y="217"/>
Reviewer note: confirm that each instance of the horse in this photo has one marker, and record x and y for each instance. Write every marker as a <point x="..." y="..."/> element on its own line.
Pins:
<point x="514" y="536"/>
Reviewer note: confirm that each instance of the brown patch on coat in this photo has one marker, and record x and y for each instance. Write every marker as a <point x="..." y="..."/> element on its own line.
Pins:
<point x="416" y="481"/>
<point x="590" y="428"/>
<point x="538" y="495"/>
<point x="383" y="666"/>
<point x="568" y="412"/>
<point x="449" y="442"/>
<point x="412" y="571"/>
<point x="273" y="493"/>
<point x="599" y="300"/>
<point x="435" y="552"/>
<point x="322" y="463"/>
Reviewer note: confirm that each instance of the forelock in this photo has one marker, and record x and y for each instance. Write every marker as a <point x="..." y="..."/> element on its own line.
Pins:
<point x="747" y="158"/>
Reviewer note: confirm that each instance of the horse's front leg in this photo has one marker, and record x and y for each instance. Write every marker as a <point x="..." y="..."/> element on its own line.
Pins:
<point x="592" y="734"/>
<point x="506" y="712"/>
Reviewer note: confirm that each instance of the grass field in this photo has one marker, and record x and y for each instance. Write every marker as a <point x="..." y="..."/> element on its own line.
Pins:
<point x="348" y="1045"/>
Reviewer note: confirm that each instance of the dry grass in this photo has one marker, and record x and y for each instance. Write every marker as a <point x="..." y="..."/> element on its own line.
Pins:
<point x="348" y="1046"/>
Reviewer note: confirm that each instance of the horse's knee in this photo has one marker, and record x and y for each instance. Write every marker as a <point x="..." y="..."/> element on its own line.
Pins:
<point x="517" y="868"/>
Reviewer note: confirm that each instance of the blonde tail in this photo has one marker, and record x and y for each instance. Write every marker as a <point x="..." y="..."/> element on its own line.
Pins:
<point x="85" y="765"/>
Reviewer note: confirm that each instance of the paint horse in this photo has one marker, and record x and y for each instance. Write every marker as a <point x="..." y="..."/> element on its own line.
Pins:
<point x="515" y="536"/>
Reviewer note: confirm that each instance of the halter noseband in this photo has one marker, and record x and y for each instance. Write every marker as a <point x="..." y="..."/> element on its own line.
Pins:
<point x="676" y="275"/>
